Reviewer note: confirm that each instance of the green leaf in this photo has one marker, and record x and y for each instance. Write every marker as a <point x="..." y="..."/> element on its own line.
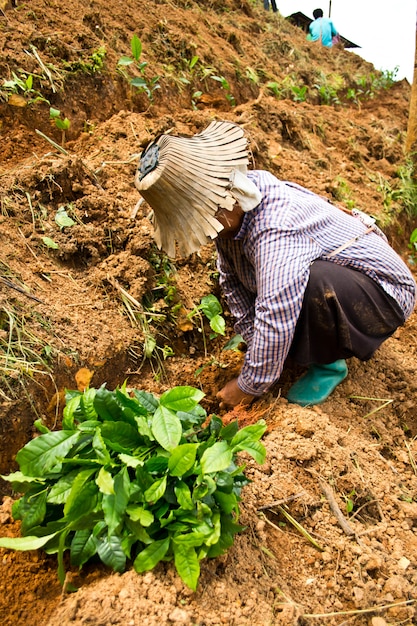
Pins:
<point x="150" y="341"/>
<point x="182" y="459"/>
<point x="25" y="543"/>
<point x="229" y="431"/>
<point x="82" y="499"/>
<point x="87" y="404"/>
<point x="130" y="461"/>
<point x="216" y="458"/>
<point x="125" y="61"/>
<point x="210" y="305"/>
<point x="139" y="514"/>
<point x="181" y="398"/>
<point x="147" y="400"/>
<point x="183" y="493"/>
<point x="63" y="219"/>
<point x="21" y="483"/>
<point x="120" y="436"/>
<point x="187" y="565"/>
<point x="54" y="113"/>
<point x="106" y="405"/>
<point x="247" y="439"/>
<point x="166" y="428"/>
<point x="151" y="555"/>
<point x="43" y="453"/>
<point x="114" y="505"/>
<point x="130" y="407"/>
<point x="99" y="447"/>
<point x="83" y="547"/>
<point x="71" y="408"/>
<point x="50" y="243"/>
<point x="36" y="512"/>
<point x="156" y="490"/>
<point x="234" y="343"/>
<point x="60" y="491"/>
<point x="111" y="552"/>
<point x="218" y="324"/>
<point x="40" y="427"/>
<point x="256" y="449"/>
<point x="226" y="501"/>
<point x="63" y="125"/>
<point x="136" y="47"/>
<point x="105" y="482"/>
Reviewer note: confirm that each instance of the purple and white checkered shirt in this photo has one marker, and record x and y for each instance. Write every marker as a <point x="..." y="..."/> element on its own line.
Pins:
<point x="264" y="269"/>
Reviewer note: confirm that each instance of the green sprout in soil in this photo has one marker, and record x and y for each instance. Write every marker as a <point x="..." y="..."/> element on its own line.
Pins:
<point x="63" y="124"/>
<point x="133" y="479"/>
<point x="140" y="83"/>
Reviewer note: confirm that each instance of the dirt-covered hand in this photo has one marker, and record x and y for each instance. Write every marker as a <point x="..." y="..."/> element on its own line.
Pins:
<point x="231" y="395"/>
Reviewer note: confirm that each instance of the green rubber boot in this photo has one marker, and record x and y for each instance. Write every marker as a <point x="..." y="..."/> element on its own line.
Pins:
<point x="318" y="383"/>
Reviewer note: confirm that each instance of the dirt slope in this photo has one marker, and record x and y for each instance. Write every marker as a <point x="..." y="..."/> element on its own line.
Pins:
<point x="72" y="313"/>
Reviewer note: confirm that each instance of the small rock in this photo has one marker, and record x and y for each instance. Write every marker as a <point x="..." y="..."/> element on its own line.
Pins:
<point x="179" y="616"/>
<point x="403" y="563"/>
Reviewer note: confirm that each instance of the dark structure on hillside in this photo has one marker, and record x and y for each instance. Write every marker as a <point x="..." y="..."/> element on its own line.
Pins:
<point x="302" y="21"/>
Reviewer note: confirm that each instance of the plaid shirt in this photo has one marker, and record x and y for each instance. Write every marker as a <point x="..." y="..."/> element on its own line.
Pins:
<point x="264" y="269"/>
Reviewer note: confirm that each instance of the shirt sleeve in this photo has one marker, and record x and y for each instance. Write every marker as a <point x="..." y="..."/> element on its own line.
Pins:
<point x="241" y="301"/>
<point x="282" y="272"/>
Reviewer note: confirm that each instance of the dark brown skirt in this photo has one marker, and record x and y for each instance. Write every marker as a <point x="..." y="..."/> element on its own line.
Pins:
<point x="345" y="313"/>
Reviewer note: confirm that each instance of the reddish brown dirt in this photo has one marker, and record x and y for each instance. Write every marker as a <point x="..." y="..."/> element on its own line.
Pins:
<point x="362" y="442"/>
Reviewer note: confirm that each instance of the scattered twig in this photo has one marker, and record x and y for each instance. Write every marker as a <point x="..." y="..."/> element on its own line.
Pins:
<point x="43" y="66"/>
<point x="271" y="505"/>
<point x="300" y="528"/>
<point x="362" y="507"/>
<point x="412" y="459"/>
<point x="136" y="208"/>
<point x="371" y="609"/>
<point x="9" y="283"/>
<point x="52" y="142"/>
<point x="386" y="402"/>
<point x="343" y="523"/>
<point x="134" y="157"/>
<point x="28" y="246"/>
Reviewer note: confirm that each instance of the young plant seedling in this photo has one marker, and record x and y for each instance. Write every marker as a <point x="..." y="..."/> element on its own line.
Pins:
<point x="63" y="124"/>
<point x="140" y="83"/>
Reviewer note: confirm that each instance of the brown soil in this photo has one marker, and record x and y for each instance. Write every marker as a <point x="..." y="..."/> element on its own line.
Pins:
<point x="361" y="443"/>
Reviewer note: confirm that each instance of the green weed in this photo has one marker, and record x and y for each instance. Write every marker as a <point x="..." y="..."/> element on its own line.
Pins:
<point x="92" y="65"/>
<point x="21" y="85"/>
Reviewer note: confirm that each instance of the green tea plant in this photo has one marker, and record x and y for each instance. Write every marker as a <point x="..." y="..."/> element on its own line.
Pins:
<point x="133" y="478"/>
<point x="63" y="124"/>
<point x="212" y="309"/>
<point x="226" y="86"/>
<point x="288" y="88"/>
<point x="140" y="83"/>
<point x="329" y="87"/>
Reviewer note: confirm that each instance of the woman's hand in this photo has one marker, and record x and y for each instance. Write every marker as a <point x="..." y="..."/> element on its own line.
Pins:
<point x="231" y="395"/>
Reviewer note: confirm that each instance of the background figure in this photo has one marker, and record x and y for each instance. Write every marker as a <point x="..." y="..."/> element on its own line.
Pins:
<point x="273" y="4"/>
<point x="322" y="28"/>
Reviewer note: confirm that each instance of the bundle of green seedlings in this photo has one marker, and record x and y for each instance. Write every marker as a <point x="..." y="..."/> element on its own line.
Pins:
<point x="133" y="478"/>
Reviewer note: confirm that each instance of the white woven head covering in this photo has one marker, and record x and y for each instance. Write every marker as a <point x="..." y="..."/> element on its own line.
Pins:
<point x="187" y="179"/>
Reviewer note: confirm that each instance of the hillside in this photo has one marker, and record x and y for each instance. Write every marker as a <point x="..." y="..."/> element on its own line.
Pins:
<point x="96" y="299"/>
